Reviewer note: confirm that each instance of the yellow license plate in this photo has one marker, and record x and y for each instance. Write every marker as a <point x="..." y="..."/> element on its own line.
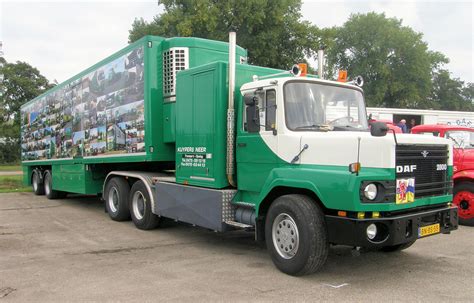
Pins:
<point x="428" y="230"/>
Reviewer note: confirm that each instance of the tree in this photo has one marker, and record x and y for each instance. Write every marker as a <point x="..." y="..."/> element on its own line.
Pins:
<point x="272" y="31"/>
<point x="21" y="83"/>
<point x="394" y="61"/>
<point x="451" y="94"/>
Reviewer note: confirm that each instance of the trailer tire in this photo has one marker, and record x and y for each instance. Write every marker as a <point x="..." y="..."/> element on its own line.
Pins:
<point x="116" y="193"/>
<point x="48" y="187"/>
<point x="296" y="235"/>
<point x="140" y="207"/>
<point x="38" y="186"/>
<point x="464" y="199"/>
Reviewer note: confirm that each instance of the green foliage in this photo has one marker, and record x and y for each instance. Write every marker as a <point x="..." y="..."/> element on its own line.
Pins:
<point x="394" y="61"/>
<point x="271" y="31"/>
<point x="451" y="94"/>
<point x="9" y="150"/>
<point x="21" y="83"/>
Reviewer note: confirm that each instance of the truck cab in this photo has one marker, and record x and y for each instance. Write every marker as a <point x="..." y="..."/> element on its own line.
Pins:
<point x="463" y="168"/>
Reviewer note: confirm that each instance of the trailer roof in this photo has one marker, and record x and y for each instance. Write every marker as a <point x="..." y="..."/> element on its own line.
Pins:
<point x="168" y="43"/>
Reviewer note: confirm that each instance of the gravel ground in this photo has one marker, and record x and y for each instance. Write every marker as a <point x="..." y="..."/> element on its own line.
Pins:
<point x="69" y="250"/>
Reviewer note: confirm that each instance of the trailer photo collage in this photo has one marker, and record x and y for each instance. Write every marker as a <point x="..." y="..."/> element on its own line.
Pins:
<point x="101" y="113"/>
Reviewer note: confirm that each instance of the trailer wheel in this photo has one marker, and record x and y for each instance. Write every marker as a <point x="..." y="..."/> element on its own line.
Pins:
<point x="296" y="235"/>
<point x="48" y="187"/>
<point x="398" y="247"/>
<point x="38" y="187"/>
<point x="116" y="195"/>
<point x="140" y="207"/>
<point x="464" y="200"/>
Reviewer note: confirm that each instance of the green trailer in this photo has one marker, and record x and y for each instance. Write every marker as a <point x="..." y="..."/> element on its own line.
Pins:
<point x="184" y="128"/>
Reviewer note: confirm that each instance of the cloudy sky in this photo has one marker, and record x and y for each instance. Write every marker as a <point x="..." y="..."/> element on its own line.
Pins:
<point x="62" y="38"/>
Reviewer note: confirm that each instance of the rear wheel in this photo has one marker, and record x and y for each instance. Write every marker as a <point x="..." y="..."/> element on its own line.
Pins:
<point x="116" y="195"/>
<point x="140" y="207"/>
<point x="48" y="187"/>
<point x="37" y="184"/>
<point x="398" y="247"/>
<point x="464" y="200"/>
<point x="296" y="235"/>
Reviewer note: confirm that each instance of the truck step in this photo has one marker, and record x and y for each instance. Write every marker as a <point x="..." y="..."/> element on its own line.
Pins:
<point x="238" y="224"/>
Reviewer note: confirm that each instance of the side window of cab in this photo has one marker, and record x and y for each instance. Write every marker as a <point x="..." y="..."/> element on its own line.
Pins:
<point x="270" y="106"/>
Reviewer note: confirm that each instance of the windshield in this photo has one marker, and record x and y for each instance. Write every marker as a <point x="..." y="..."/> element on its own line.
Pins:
<point x="461" y="138"/>
<point x="313" y="106"/>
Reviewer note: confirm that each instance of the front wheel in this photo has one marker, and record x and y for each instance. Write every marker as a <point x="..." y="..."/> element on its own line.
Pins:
<point x="140" y="207"/>
<point x="296" y="235"/>
<point x="464" y="200"/>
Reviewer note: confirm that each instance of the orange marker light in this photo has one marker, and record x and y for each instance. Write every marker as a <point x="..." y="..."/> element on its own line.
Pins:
<point x="354" y="167"/>
<point x="342" y="77"/>
<point x="342" y="213"/>
<point x="304" y="69"/>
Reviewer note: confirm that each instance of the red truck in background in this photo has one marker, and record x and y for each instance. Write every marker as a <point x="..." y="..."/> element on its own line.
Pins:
<point x="463" y="167"/>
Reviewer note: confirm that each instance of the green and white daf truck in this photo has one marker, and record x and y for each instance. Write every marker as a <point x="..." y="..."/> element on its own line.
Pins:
<point x="183" y="128"/>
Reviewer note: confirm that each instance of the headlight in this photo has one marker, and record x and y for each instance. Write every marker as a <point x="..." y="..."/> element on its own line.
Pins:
<point x="370" y="191"/>
<point x="371" y="231"/>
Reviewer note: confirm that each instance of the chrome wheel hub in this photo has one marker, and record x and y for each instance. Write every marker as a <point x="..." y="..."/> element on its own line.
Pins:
<point x="285" y="236"/>
<point x="113" y="199"/>
<point x="138" y="205"/>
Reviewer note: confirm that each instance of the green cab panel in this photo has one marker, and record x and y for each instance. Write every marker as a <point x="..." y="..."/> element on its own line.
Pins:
<point x="201" y="106"/>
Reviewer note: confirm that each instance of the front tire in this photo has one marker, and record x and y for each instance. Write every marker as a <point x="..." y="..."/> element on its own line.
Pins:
<point x="296" y="235"/>
<point x="116" y="195"/>
<point x="464" y="200"/>
<point x="37" y="184"/>
<point x="140" y="207"/>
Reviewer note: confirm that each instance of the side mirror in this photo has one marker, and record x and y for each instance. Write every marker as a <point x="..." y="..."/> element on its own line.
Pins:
<point x="250" y="99"/>
<point x="378" y="129"/>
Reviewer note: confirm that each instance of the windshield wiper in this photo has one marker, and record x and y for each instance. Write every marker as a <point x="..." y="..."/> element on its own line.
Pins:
<point x="321" y="127"/>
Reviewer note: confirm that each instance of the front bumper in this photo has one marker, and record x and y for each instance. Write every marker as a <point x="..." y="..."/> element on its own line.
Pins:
<point x="393" y="230"/>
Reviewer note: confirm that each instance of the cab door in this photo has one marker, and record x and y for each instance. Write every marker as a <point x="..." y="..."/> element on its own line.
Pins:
<point x="257" y="140"/>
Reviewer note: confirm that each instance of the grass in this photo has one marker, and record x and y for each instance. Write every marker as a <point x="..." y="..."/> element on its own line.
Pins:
<point x="13" y="184"/>
<point x="10" y="167"/>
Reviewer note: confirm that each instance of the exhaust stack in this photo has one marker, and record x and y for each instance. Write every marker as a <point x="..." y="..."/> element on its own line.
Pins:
<point x="230" y="169"/>
<point x="320" y="63"/>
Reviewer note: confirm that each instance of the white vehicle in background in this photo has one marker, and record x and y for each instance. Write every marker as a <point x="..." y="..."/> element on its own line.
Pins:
<point x="423" y="116"/>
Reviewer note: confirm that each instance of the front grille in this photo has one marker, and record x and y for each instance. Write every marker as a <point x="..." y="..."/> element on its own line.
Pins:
<point x="430" y="172"/>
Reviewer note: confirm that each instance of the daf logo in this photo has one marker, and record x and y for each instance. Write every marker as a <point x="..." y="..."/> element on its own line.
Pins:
<point x="406" y="168"/>
<point x="425" y="153"/>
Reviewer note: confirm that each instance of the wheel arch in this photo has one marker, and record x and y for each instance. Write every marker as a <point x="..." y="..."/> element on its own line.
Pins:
<point x="281" y="190"/>
<point x="463" y="176"/>
<point x="132" y="177"/>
